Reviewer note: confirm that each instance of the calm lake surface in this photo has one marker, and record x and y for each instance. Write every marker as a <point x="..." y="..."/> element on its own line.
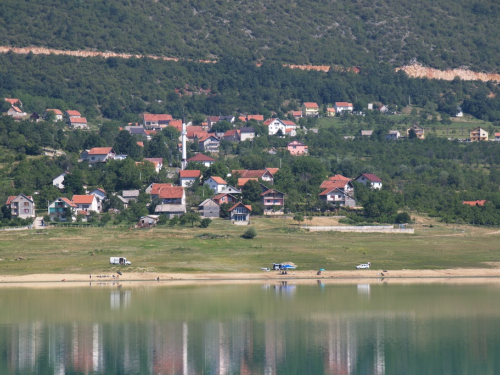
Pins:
<point x="273" y="328"/>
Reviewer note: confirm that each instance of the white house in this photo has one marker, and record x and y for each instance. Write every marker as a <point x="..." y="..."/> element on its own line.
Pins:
<point x="368" y="178"/>
<point x="216" y="183"/>
<point x="188" y="177"/>
<point x="100" y="196"/>
<point x="341" y="107"/>
<point x="275" y="125"/>
<point x="207" y="161"/>
<point x="15" y="112"/>
<point x="247" y="133"/>
<point x="98" y="154"/>
<point x="21" y="206"/>
<point x="58" y="182"/>
<point x="86" y="203"/>
<point x="58" y="115"/>
<point x="158" y="162"/>
<point x="393" y="135"/>
<point x="154" y="121"/>
<point x="338" y="192"/>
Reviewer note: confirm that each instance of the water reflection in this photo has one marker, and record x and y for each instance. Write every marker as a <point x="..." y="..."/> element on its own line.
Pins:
<point x="279" y="329"/>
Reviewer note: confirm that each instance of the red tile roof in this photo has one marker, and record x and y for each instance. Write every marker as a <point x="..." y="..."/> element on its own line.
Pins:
<point x="66" y="200"/>
<point x="343" y="104"/>
<point x="150" y="132"/>
<point x="255" y="117"/>
<point x="475" y="203"/>
<point x="200" y="157"/>
<point x="16" y="109"/>
<point x="154" y="118"/>
<point x="330" y="185"/>
<point x="171" y="192"/>
<point x="176" y="124"/>
<point x="371" y="177"/>
<point x="155" y="160"/>
<point x="250" y="173"/>
<point x="311" y="105"/>
<point x="72" y="112"/>
<point x="100" y="150"/>
<point x="156" y="187"/>
<point x="231" y="133"/>
<point x="219" y="180"/>
<point x="339" y="177"/>
<point x="141" y="144"/>
<point x="190" y="173"/>
<point x="288" y="122"/>
<point x="271" y="191"/>
<point x="78" y="120"/>
<point x="249" y="207"/>
<point x="273" y="171"/>
<point x="12" y="101"/>
<point x="243" y="181"/>
<point x="56" y="111"/>
<point x="83" y="199"/>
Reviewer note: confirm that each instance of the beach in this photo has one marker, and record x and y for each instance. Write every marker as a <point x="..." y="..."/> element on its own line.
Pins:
<point x="345" y="276"/>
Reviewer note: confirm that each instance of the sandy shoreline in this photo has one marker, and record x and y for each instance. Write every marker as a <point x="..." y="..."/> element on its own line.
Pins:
<point x="354" y="276"/>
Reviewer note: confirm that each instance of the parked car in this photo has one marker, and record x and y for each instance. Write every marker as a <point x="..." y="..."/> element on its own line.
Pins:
<point x="363" y="266"/>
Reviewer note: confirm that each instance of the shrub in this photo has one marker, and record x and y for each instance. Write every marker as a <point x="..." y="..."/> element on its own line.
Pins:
<point x="402" y="218"/>
<point x="250" y="233"/>
<point x="204" y="223"/>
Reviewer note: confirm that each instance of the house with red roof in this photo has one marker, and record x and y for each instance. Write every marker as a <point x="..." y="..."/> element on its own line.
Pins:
<point x="232" y="135"/>
<point x="21" y="206"/>
<point x="341" y="107"/>
<point x="242" y="181"/>
<point x="331" y="112"/>
<point x="225" y="198"/>
<point x="286" y="127"/>
<point x="263" y="174"/>
<point x="194" y="133"/>
<point x="156" y="121"/>
<point x="176" y="124"/>
<point x="310" y="109"/>
<point x="71" y="113"/>
<point x="15" y="112"/>
<point x="86" y="203"/>
<point x="78" y="123"/>
<point x="240" y="213"/>
<point x="63" y="209"/>
<point x="172" y="199"/>
<point x="57" y="113"/>
<point x="273" y="201"/>
<point x="216" y="183"/>
<point x="98" y="154"/>
<point x="188" y="177"/>
<point x="246" y="118"/>
<point x="369" y="178"/>
<point x="338" y="191"/>
<point x="209" y="143"/>
<point x="297" y="148"/>
<point x="207" y="161"/>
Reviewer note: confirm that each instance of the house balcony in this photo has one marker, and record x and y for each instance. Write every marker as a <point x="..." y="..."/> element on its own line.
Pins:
<point x="57" y="210"/>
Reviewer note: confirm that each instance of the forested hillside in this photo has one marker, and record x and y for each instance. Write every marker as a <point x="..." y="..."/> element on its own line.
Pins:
<point x="118" y="88"/>
<point x="438" y="33"/>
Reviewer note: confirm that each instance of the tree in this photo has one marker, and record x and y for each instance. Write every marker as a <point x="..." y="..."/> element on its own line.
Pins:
<point x="190" y="217"/>
<point x="298" y="218"/>
<point x="402" y="218"/>
<point x="251" y="192"/>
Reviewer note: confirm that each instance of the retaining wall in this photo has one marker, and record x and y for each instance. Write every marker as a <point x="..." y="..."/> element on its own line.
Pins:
<point x="362" y="229"/>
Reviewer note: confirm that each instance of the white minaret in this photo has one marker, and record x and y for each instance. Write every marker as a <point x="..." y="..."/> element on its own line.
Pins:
<point x="184" y="151"/>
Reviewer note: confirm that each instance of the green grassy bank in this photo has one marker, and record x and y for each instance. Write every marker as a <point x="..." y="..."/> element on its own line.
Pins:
<point x="185" y="249"/>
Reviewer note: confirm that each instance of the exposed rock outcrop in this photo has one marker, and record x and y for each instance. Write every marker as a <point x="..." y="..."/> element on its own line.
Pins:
<point x="418" y="71"/>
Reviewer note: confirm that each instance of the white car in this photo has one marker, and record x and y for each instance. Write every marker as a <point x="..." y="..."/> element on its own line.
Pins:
<point x="363" y="266"/>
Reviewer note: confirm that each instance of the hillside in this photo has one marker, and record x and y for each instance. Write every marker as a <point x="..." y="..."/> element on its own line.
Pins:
<point x="436" y="33"/>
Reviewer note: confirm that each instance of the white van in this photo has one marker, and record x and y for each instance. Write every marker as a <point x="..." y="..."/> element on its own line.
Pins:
<point x="363" y="266"/>
<point x="119" y="260"/>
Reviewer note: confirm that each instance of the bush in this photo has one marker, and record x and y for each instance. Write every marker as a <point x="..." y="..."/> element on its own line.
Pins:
<point x="402" y="218"/>
<point x="250" y="233"/>
<point x="204" y="223"/>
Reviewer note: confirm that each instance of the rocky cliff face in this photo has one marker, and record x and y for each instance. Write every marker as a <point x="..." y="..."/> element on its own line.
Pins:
<point x="419" y="71"/>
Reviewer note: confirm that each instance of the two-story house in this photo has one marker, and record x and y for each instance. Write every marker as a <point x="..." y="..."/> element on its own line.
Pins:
<point x="263" y="174"/>
<point x="207" y="161"/>
<point x="156" y="121"/>
<point x="247" y="133"/>
<point x="478" y="134"/>
<point x="86" y="203"/>
<point x="58" y="115"/>
<point x="62" y="209"/>
<point x="15" y="112"/>
<point x="310" y="109"/>
<point x="240" y="213"/>
<point x="297" y="148"/>
<point x="78" y="123"/>
<point x="339" y="191"/>
<point x="209" y="143"/>
<point x="273" y="201"/>
<point x="217" y="184"/>
<point x="172" y="198"/>
<point x="225" y="198"/>
<point x="21" y="206"/>
<point x="417" y="129"/>
<point x="70" y="113"/>
<point x="392" y="135"/>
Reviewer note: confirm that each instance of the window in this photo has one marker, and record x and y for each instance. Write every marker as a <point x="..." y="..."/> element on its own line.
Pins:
<point x="26" y="211"/>
<point x="26" y="204"/>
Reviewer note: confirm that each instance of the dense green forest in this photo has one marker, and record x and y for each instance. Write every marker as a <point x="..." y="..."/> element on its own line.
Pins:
<point x="438" y="33"/>
<point x="121" y="89"/>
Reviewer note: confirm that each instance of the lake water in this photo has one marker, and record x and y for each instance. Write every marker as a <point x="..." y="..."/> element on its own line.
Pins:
<point x="274" y="328"/>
